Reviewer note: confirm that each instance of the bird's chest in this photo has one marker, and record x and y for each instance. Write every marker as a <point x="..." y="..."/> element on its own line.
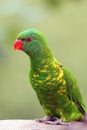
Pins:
<point x="46" y="81"/>
<point x="41" y="80"/>
<point x="48" y="85"/>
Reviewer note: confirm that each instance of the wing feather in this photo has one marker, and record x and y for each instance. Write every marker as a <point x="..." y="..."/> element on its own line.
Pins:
<point x="73" y="90"/>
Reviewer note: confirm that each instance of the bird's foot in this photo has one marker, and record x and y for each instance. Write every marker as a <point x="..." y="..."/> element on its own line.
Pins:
<point x="52" y="121"/>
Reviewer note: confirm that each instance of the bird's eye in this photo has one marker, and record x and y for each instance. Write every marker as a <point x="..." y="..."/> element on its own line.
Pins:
<point x="29" y="40"/>
<point x="23" y="39"/>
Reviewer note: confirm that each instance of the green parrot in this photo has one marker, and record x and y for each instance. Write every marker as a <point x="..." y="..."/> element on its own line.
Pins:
<point x="56" y="87"/>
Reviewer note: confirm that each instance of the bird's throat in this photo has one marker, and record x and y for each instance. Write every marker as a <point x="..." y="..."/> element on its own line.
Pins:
<point x="40" y="63"/>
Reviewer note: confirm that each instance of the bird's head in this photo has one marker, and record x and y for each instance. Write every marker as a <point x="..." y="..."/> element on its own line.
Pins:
<point x="31" y="41"/>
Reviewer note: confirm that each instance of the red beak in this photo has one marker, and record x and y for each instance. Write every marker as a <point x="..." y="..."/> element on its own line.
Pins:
<point x="18" y="45"/>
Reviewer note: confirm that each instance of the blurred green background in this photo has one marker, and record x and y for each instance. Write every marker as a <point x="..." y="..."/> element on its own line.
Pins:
<point x="64" y="22"/>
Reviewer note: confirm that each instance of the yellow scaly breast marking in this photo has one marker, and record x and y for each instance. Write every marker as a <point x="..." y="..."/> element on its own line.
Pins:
<point x="60" y="74"/>
<point x="49" y="83"/>
<point x="40" y="81"/>
<point x="48" y="78"/>
<point x="56" y="66"/>
<point x="43" y="70"/>
<point x="35" y="75"/>
<point x="64" y="82"/>
<point x="60" y="79"/>
<point x="53" y="79"/>
<point x="35" y="84"/>
<point x="61" y="91"/>
<point x="46" y="66"/>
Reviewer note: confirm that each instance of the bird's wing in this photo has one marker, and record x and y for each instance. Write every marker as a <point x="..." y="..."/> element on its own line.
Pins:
<point x="73" y="90"/>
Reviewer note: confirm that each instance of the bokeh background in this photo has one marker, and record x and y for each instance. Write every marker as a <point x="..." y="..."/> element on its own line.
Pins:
<point x="64" y="22"/>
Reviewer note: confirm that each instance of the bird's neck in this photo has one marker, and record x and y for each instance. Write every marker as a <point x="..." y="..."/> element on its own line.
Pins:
<point x="39" y="62"/>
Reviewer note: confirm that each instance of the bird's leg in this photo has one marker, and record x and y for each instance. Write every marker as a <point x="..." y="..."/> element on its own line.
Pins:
<point x="52" y="121"/>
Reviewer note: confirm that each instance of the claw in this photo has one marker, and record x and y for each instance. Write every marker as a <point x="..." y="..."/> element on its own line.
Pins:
<point x="52" y="121"/>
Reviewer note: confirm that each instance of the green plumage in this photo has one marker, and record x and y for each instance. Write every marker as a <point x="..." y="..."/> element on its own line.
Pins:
<point x="55" y="86"/>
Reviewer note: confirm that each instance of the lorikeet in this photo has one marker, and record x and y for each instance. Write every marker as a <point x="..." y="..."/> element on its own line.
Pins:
<point x="55" y="86"/>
